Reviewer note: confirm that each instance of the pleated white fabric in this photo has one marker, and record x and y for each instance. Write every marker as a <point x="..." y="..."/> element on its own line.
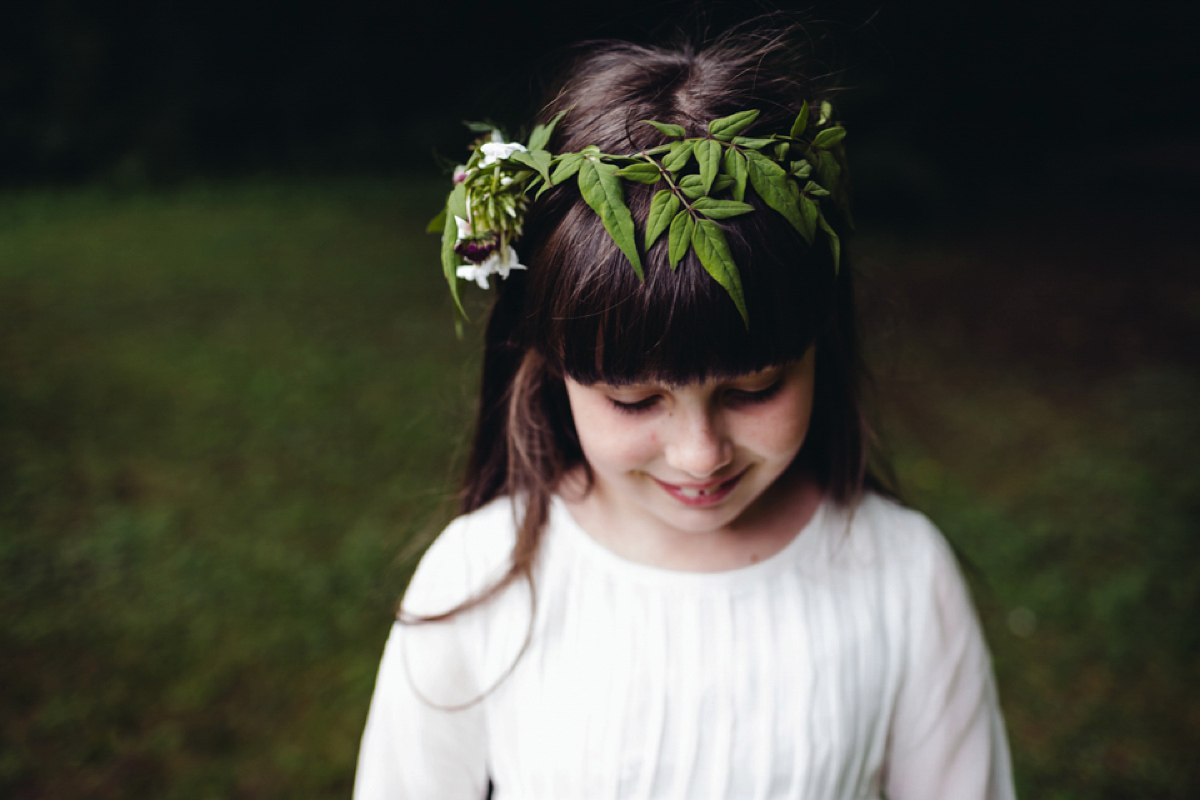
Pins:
<point x="848" y="665"/>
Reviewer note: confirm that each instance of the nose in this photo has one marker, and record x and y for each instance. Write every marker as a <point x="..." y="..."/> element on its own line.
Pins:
<point x="699" y="445"/>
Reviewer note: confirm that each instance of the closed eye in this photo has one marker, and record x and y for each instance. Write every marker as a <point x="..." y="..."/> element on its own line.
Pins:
<point x="645" y="404"/>
<point x="746" y="396"/>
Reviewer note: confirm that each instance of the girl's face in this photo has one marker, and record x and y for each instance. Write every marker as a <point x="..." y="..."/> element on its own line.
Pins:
<point x="691" y="458"/>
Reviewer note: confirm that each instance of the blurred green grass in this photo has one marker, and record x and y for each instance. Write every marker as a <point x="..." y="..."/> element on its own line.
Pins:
<point x="228" y="410"/>
<point x="223" y="413"/>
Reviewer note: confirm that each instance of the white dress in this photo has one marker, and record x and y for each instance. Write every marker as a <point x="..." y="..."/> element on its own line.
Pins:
<point x="849" y="665"/>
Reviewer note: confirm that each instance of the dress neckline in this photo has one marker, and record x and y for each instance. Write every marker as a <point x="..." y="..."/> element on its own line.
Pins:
<point x="803" y="544"/>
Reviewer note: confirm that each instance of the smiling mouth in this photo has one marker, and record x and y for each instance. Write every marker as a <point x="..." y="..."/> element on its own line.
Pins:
<point x="701" y="495"/>
<point x="686" y="492"/>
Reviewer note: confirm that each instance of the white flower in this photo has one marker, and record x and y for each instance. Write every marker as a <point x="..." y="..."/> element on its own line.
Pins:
<point x="496" y="150"/>
<point x="460" y="174"/>
<point x="471" y="272"/>
<point x="464" y="229"/>
<point x="494" y="265"/>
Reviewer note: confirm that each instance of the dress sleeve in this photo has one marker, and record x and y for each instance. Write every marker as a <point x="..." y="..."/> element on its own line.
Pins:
<point x="947" y="739"/>
<point x="424" y="737"/>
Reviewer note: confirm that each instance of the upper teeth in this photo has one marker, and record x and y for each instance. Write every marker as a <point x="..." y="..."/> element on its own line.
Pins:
<point x="686" y="492"/>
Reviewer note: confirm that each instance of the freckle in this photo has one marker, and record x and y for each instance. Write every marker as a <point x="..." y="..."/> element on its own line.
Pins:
<point x="754" y="558"/>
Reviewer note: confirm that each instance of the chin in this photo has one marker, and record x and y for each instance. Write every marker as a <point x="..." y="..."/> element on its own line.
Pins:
<point x="703" y="520"/>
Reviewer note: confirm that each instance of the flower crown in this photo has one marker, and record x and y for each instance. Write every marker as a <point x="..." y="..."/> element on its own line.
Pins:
<point x="794" y="173"/>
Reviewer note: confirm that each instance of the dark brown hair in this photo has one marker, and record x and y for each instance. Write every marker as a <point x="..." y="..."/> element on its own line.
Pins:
<point x="581" y="312"/>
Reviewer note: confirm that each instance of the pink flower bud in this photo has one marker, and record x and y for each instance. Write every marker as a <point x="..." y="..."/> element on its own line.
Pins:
<point x="475" y="250"/>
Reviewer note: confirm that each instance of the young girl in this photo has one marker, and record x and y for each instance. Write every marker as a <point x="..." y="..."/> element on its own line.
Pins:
<point x="675" y="574"/>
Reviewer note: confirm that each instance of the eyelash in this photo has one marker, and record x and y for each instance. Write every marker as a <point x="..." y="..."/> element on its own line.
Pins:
<point x="738" y="396"/>
<point x="638" y="407"/>
<point x="760" y="395"/>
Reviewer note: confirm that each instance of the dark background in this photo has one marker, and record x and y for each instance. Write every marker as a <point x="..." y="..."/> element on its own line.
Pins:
<point x="984" y="95"/>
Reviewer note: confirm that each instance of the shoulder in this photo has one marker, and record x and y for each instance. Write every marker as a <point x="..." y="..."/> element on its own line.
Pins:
<point x="919" y="567"/>
<point x="898" y="542"/>
<point x="467" y="557"/>
<point x="882" y="526"/>
<point x="897" y="530"/>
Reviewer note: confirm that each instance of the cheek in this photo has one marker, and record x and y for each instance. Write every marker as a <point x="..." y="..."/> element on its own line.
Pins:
<point x="781" y="431"/>
<point x="610" y="438"/>
<point x="618" y="445"/>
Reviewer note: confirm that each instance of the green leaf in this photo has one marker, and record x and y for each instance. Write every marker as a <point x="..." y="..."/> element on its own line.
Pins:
<point x="747" y="141"/>
<point x="437" y="223"/>
<point x="677" y="157"/>
<point x="620" y="162"/>
<point x="774" y="187"/>
<point x="567" y="166"/>
<point x="662" y="210"/>
<point x="835" y="244"/>
<point x="667" y="129"/>
<point x="708" y="240"/>
<point x="809" y="212"/>
<point x="826" y="112"/>
<point x="601" y="189"/>
<point x="481" y="127"/>
<point x="829" y="137"/>
<point x="450" y="262"/>
<point x="801" y="122"/>
<point x="641" y="172"/>
<point x="456" y="205"/>
<point x="692" y="186"/>
<point x="781" y="151"/>
<point x="540" y="161"/>
<point x="537" y="160"/>
<point x="814" y="189"/>
<point x="679" y="238"/>
<point x="721" y="209"/>
<point x="735" y="167"/>
<point x="801" y="169"/>
<point x="708" y="156"/>
<point x="829" y="171"/>
<point x="541" y="133"/>
<point x="474" y="159"/>
<point x="726" y="128"/>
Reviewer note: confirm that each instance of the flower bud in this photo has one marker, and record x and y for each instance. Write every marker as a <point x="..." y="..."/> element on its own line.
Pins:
<point x="475" y="250"/>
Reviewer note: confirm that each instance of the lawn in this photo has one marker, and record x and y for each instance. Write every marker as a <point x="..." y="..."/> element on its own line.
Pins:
<point x="231" y="412"/>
